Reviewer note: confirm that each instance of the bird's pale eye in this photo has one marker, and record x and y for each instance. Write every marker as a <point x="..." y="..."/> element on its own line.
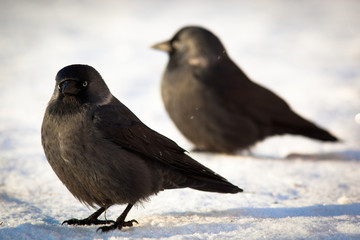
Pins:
<point x="85" y="83"/>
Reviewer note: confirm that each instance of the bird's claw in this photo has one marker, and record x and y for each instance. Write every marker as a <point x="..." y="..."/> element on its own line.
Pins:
<point x="87" y="221"/>
<point x="117" y="225"/>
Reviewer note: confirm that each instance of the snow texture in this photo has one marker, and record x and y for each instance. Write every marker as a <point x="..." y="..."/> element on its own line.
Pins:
<point x="308" y="52"/>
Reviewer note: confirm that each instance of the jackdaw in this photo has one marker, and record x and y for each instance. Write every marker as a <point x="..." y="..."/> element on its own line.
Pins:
<point x="105" y="155"/>
<point x="215" y="105"/>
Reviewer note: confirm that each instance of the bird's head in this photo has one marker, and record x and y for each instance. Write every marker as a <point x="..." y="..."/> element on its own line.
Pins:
<point x="81" y="84"/>
<point x="193" y="44"/>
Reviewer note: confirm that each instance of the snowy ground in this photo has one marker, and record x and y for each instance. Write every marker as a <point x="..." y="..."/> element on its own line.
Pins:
<point x="306" y="51"/>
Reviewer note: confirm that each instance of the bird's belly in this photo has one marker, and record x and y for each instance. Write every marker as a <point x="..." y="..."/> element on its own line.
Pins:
<point x="98" y="171"/>
<point x="190" y="117"/>
<point x="205" y="122"/>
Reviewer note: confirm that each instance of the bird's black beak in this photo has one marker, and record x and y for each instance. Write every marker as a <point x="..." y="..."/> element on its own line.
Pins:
<point x="69" y="87"/>
<point x="163" y="46"/>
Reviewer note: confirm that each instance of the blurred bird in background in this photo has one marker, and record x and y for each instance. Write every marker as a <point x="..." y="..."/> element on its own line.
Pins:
<point x="215" y="105"/>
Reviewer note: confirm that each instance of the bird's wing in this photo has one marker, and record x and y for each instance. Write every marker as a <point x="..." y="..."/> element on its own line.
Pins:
<point x="236" y="92"/>
<point x="119" y="125"/>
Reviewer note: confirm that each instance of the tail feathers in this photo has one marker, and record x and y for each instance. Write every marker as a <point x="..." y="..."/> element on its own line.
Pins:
<point x="187" y="172"/>
<point x="320" y="134"/>
<point x="311" y="132"/>
<point x="301" y="126"/>
<point x="175" y="180"/>
<point x="215" y="186"/>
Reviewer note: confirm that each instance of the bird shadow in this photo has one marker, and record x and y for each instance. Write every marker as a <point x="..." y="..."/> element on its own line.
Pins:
<point x="54" y="230"/>
<point x="284" y="212"/>
<point x="347" y="155"/>
<point x="228" y="222"/>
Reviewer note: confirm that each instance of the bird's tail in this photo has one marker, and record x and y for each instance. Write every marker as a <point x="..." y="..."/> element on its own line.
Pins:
<point x="319" y="134"/>
<point x="213" y="185"/>
<point x="205" y="180"/>
<point x="301" y="126"/>
<point x="184" y="172"/>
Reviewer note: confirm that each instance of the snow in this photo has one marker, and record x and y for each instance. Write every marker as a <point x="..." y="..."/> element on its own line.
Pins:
<point x="306" y="51"/>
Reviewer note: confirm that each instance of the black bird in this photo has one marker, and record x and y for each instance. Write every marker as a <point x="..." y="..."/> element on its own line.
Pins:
<point x="215" y="105"/>
<point x="105" y="155"/>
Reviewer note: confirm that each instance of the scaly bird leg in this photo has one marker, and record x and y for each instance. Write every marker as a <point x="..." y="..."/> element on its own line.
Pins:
<point x="92" y="219"/>
<point x="120" y="221"/>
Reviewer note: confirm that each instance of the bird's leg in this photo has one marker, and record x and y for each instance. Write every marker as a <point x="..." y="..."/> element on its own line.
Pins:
<point x="120" y="221"/>
<point x="92" y="219"/>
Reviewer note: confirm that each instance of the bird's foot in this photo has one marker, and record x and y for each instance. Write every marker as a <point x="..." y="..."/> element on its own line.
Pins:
<point x="87" y="221"/>
<point x="117" y="225"/>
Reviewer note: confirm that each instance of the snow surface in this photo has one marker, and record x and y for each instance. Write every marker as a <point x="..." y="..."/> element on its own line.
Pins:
<point x="306" y="51"/>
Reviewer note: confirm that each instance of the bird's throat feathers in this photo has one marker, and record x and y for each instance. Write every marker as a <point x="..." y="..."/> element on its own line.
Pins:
<point x="65" y="105"/>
